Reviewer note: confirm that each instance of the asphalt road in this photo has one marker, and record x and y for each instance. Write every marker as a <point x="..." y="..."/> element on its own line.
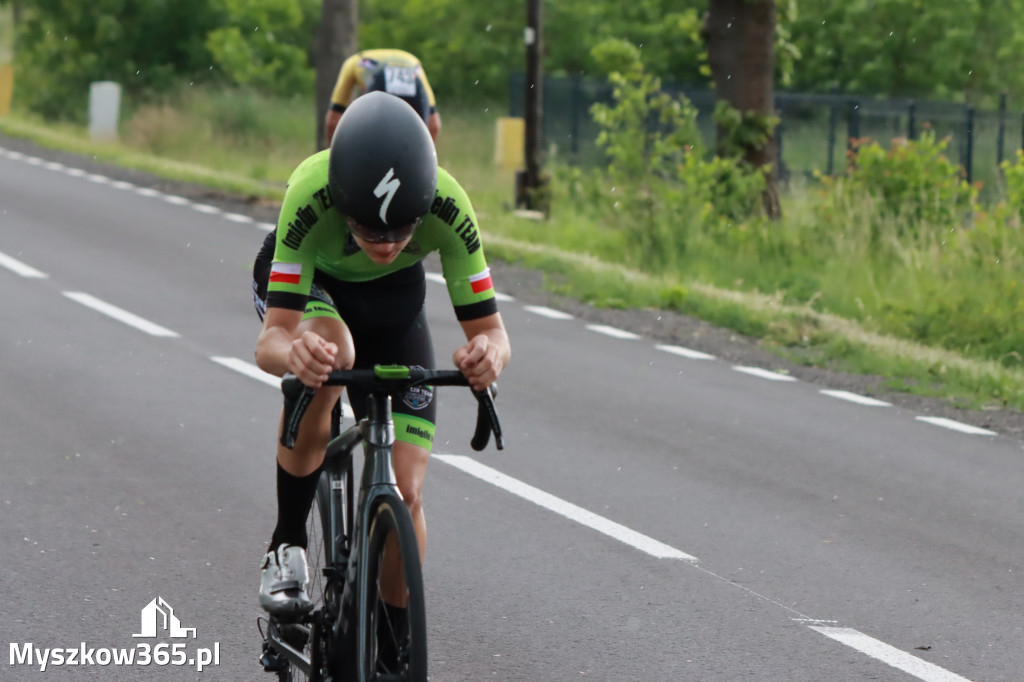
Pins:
<point x="654" y="516"/>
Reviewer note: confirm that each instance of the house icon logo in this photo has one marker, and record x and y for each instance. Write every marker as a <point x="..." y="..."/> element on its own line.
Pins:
<point x="158" y="615"/>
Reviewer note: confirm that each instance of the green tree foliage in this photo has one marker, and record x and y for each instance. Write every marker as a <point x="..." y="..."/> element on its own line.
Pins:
<point x="63" y="45"/>
<point x="469" y="50"/>
<point x="266" y="44"/>
<point x="967" y="48"/>
<point x="466" y="49"/>
<point x="665" y="31"/>
<point x="661" y="185"/>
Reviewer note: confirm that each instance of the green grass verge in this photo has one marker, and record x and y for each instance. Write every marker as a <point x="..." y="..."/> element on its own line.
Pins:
<point x="72" y="139"/>
<point x="796" y="332"/>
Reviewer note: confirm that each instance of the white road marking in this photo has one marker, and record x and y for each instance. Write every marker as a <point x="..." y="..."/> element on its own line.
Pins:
<point x="856" y="398"/>
<point x="147" y="192"/>
<point x="550" y="313"/>
<point x="54" y="166"/>
<point x="121" y="184"/>
<point x="248" y="369"/>
<point x="901" y="660"/>
<point x="238" y="218"/>
<point x="504" y="298"/>
<point x="19" y="268"/>
<point x="252" y="371"/>
<point x="119" y="314"/>
<point x="206" y="208"/>
<point x="175" y="199"/>
<point x="763" y="373"/>
<point x="613" y="332"/>
<point x="268" y="227"/>
<point x="99" y="179"/>
<point x="957" y="426"/>
<point x="563" y="508"/>
<point x="685" y="352"/>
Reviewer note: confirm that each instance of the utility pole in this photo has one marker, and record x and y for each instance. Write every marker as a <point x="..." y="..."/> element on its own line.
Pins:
<point x="529" y="192"/>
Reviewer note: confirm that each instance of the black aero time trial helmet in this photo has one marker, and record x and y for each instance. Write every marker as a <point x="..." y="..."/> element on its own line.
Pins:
<point x="382" y="170"/>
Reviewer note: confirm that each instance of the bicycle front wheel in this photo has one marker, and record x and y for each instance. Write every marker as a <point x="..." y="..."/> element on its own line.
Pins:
<point x="392" y="625"/>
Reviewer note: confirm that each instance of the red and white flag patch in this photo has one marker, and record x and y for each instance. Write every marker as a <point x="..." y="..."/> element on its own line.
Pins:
<point x="285" y="273"/>
<point x="481" y="281"/>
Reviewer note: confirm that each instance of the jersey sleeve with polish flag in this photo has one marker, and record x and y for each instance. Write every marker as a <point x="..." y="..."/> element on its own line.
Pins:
<point x="462" y="254"/>
<point x="306" y="220"/>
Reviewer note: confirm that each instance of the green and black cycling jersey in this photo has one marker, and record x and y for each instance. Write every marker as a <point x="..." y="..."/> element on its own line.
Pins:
<point x="313" y="237"/>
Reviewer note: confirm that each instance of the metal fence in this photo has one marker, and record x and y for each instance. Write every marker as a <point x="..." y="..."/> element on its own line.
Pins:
<point x="814" y="133"/>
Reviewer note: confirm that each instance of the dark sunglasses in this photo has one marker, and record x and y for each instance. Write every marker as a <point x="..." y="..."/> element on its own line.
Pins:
<point x="389" y="236"/>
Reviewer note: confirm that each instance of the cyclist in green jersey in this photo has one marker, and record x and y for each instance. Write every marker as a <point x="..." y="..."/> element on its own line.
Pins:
<point x="341" y="284"/>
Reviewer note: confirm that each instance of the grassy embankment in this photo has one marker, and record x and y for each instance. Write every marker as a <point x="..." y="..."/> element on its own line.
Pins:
<point x="813" y="299"/>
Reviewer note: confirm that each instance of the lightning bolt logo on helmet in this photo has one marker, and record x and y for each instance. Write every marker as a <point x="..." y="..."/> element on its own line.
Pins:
<point x="387" y="188"/>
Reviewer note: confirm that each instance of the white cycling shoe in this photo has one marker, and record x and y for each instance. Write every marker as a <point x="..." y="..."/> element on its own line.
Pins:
<point x="283" y="582"/>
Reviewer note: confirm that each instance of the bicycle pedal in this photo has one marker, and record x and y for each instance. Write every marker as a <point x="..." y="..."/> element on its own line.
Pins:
<point x="271" y="661"/>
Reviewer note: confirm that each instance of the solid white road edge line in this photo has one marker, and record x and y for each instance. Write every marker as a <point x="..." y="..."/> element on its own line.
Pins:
<point x="563" y="508"/>
<point x="119" y="314"/>
<point x="890" y="655"/>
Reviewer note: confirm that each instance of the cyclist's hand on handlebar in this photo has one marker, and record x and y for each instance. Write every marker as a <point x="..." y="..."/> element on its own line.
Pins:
<point x="480" y="361"/>
<point x="311" y="358"/>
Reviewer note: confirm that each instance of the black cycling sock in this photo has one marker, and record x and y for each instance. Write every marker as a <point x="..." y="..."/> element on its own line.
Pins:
<point x="294" y="497"/>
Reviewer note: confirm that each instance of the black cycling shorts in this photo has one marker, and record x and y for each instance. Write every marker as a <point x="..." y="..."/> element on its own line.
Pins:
<point x="389" y="326"/>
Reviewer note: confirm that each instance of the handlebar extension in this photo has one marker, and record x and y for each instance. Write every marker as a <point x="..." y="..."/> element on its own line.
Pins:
<point x="297" y="397"/>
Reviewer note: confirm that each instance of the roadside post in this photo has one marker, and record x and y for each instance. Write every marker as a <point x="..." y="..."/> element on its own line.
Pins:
<point x="104" y="110"/>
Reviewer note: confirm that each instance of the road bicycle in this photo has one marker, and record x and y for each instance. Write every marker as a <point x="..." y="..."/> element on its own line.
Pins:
<point x="362" y="548"/>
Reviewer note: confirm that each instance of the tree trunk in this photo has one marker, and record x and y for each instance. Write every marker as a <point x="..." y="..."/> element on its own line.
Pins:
<point x="740" y="36"/>
<point x="336" y="38"/>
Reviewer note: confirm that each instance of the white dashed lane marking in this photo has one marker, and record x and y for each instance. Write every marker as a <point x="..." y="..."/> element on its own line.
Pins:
<point x="248" y="369"/>
<point x="19" y="268"/>
<point x="901" y="660"/>
<point x="613" y="332"/>
<point x="957" y="426"/>
<point x="119" y="314"/>
<point x="763" y="373"/>
<point x="856" y="398"/>
<point x="549" y="313"/>
<point x="569" y="510"/>
<point x="685" y="352"/>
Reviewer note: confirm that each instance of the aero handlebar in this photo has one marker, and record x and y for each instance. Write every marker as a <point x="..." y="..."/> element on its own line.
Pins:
<point x="392" y="380"/>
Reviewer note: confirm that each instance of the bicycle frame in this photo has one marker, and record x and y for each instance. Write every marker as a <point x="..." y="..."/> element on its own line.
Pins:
<point x="377" y="434"/>
<point x="345" y="572"/>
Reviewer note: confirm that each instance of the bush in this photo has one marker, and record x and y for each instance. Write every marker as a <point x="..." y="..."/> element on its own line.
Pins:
<point x="661" y="185"/>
